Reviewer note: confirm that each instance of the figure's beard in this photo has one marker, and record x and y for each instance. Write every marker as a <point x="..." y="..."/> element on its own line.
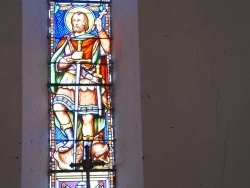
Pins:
<point x="78" y="29"/>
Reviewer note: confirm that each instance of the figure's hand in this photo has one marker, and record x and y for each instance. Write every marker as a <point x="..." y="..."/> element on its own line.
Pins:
<point x="63" y="63"/>
<point x="63" y="60"/>
<point x="77" y="55"/>
<point x="98" y="23"/>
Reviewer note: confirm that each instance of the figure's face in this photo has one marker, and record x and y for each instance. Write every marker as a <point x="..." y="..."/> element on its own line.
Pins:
<point x="78" y="23"/>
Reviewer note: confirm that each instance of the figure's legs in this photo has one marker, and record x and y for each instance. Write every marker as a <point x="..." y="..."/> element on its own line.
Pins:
<point x="88" y="125"/>
<point x="65" y="122"/>
<point x="62" y="115"/>
<point x="88" y="97"/>
<point x="88" y="129"/>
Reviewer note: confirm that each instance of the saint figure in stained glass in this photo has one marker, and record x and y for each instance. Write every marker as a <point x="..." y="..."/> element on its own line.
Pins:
<point x="80" y="100"/>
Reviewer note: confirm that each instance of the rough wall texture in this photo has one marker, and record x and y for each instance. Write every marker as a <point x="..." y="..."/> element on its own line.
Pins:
<point x="35" y="148"/>
<point x="127" y="106"/>
<point x="194" y="58"/>
<point x="11" y="96"/>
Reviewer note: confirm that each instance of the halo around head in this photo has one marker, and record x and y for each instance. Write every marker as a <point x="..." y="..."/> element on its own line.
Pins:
<point x="85" y="10"/>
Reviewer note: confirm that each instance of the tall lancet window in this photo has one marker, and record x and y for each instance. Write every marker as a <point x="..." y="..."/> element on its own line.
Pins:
<point x="80" y="88"/>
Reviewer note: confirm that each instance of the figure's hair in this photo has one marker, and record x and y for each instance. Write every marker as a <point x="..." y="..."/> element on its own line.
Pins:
<point x="86" y="20"/>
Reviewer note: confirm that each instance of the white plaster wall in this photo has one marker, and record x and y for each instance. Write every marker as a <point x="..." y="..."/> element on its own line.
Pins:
<point x="127" y="104"/>
<point x="35" y="126"/>
<point x="11" y="94"/>
<point x="194" y="58"/>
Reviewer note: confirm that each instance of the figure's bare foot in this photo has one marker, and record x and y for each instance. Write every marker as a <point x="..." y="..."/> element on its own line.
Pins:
<point x="66" y="147"/>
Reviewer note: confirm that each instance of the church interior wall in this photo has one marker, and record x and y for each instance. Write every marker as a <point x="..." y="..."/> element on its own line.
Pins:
<point x="184" y="116"/>
<point x="194" y="64"/>
<point x="11" y="94"/>
<point x="127" y="104"/>
<point x="35" y="113"/>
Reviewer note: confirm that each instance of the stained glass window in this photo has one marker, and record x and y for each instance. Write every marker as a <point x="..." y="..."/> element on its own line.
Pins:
<point x="80" y="88"/>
